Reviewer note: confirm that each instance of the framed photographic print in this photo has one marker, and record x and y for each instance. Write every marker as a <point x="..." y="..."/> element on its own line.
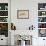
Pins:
<point x="22" y="14"/>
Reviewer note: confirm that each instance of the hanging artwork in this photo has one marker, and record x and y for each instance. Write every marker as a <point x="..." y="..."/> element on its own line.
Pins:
<point x="22" y="14"/>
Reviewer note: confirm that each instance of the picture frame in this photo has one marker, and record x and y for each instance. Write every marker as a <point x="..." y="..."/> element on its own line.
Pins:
<point x="22" y="14"/>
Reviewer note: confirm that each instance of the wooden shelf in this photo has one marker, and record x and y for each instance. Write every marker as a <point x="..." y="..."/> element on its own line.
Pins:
<point x="41" y="22"/>
<point x="42" y="16"/>
<point x="3" y="16"/>
<point x="42" y="10"/>
<point x="3" y="10"/>
<point x="3" y="22"/>
<point x="41" y="28"/>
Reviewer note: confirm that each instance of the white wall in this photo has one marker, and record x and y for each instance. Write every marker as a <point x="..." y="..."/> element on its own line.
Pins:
<point x="23" y="24"/>
<point x="3" y="1"/>
<point x="32" y="6"/>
